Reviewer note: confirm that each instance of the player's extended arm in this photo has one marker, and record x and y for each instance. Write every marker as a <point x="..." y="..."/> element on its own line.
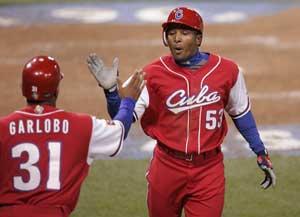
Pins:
<point x="247" y="127"/>
<point x="107" y="136"/>
<point x="113" y="101"/>
<point x="130" y="94"/>
<point x="107" y="79"/>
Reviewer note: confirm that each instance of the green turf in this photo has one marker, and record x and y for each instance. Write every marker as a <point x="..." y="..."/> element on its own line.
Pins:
<point x="245" y="199"/>
<point x="118" y="188"/>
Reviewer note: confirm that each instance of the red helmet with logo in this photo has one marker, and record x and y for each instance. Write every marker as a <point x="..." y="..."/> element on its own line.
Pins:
<point x="185" y="16"/>
<point x="41" y="77"/>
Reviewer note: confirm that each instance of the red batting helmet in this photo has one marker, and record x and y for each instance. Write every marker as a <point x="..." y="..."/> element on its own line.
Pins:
<point x="184" y="16"/>
<point x="41" y="77"/>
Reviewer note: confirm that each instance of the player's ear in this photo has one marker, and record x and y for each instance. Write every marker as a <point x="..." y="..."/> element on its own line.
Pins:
<point x="199" y="38"/>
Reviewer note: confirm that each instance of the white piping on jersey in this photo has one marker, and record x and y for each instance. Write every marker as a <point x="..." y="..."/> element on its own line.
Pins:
<point x="200" y="115"/>
<point x="39" y="115"/>
<point x="188" y="93"/>
<point x="120" y="146"/>
<point x="135" y="116"/>
<point x="243" y="112"/>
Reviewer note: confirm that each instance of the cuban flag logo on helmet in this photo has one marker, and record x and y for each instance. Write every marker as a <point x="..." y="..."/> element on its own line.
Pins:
<point x="178" y="14"/>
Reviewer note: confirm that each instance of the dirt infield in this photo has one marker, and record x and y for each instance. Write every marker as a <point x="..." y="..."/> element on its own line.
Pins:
<point x="268" y="48"/>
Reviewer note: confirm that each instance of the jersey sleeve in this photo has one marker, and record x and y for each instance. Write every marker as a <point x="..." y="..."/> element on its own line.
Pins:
<point x="141" y="104"/>
<point x="106" y="139"/>
<point x="238" y="103"/>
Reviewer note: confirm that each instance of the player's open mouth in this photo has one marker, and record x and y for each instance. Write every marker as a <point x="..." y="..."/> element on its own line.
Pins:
<point x="178" y="50"/>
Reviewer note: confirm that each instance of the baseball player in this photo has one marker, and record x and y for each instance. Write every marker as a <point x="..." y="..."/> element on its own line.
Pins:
<point x="183" y="108"/>
<point x="46" y="152"/>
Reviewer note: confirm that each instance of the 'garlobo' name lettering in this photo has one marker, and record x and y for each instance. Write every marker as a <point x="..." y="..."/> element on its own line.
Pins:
<point x="38" y="126"/>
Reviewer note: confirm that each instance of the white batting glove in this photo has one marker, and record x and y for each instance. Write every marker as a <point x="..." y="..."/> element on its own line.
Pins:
<point x="105" y="76"/>
<point x="265" y="164"/>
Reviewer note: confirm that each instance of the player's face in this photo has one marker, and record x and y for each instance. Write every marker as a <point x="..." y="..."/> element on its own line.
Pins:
<point x="183" y="42"/>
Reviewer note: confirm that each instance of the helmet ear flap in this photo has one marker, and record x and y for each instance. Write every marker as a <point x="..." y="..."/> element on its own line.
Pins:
<point x="164" y="38"/>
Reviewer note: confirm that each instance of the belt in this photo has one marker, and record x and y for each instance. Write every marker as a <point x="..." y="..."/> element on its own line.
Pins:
<point x="188" y="156"/>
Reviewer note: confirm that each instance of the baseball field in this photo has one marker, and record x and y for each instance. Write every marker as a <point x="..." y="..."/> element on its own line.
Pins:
<point x="268" y="49"/>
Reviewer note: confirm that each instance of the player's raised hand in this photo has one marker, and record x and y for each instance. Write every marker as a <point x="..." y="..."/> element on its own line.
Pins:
<point x="105" y="76"/>
<point x="134" y="86"/>
<point x="265" y="164"/>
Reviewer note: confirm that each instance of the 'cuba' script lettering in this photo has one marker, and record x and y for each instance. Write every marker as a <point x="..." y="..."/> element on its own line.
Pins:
<point x="184" y="102"/>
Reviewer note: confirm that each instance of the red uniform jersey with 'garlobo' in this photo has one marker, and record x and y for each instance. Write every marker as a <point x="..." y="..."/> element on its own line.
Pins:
<point x="45" y="154"/>
<point x="184" y="108"/>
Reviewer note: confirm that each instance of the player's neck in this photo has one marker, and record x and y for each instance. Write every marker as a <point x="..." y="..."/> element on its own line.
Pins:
<point x="51" y="102"/>
<point x="195" y="61"/>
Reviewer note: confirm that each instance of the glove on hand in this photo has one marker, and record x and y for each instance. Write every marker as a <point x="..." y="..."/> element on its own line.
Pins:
<point x="265" y="164"/>
<point x="105" y="76"/>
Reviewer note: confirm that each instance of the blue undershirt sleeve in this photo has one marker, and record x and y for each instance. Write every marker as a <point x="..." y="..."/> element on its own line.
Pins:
<point x="113" y="101"/>
<point x="125" y="113"/>
<point x="247" y="127"/>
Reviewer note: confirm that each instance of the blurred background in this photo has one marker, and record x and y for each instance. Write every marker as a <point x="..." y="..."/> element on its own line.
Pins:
<point x="263" y="37"/>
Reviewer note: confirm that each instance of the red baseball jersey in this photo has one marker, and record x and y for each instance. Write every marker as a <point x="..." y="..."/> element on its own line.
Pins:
<point x="184" y="108"/>
<point x="45" y="154"/>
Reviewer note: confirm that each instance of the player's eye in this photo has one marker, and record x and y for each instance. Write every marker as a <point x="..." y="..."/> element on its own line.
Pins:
<point x="186" y="32"/>
<point x="171" y="32"/>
